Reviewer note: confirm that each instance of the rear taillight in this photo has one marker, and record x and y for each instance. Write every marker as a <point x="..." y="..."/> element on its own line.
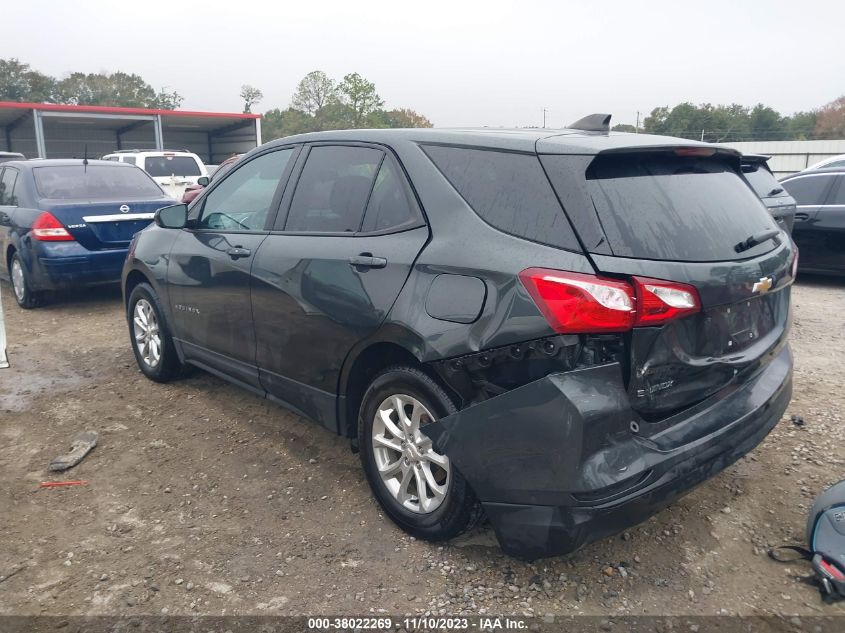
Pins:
<point x="575" y="302"/>
<point x="659" y="301"/>
<point x="47" y="228"/>
<point x="578" y="303"/>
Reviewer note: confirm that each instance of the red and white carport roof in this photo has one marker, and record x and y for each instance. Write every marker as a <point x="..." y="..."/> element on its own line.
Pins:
<point x="49" y="130"/>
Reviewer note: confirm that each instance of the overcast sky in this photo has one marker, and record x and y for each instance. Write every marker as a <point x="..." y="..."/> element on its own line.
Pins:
<point x="460" y="63"/>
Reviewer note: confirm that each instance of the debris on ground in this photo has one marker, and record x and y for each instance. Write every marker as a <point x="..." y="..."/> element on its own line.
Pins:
<point x="797" y="420"/>
<point x="57" y="484"/>
<point x="82" y="445"/>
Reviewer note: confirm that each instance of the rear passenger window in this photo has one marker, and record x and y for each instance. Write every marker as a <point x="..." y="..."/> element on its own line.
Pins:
<point x="129" y="159"/>
<point x="242" y="200"/>
<point x="389" y="206"/>
<point x="508" y="190"/>
<point x="838" y="196"/>
<point x="333" y="189"/>
<point x="808" y="190"/>
<point x="7" y="187"/>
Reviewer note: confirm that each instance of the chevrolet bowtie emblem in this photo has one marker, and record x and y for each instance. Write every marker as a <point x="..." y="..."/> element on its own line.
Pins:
<point x="764" y="285"/>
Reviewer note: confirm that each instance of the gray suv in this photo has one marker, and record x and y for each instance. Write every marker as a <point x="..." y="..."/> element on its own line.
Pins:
<point x="563" y="330"/>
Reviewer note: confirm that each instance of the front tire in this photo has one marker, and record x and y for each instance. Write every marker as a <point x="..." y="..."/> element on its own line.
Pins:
<point x="150" y="336"/>
<point x="418" y="488"/>
<point x="22" y="285"/>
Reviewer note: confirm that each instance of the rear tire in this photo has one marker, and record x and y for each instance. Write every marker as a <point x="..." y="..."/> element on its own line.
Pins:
<point x="22" y="285"/>
<point x="150" y="335"/>
<point x="400" y="462"/>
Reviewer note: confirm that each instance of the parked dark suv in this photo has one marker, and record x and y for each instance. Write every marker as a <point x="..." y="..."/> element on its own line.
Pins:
<point x="565" y="329"/>
<point x="755" y="168"/>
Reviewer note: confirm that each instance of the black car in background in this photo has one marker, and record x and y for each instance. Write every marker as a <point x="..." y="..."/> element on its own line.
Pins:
<point x="67" y="223"/>
<point x="819" y="228"/>
<point x="780" y="204"/>
<point x="566" y="329"/>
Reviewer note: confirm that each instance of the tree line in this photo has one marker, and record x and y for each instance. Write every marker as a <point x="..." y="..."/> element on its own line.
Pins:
<point x="322" y="103"/>
<point x="735" y="122"/>
<point x="319" y="102"/>
<point x="19" y="82"/>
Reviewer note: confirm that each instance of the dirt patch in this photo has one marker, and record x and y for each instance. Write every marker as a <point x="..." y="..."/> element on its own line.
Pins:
<point x="203" y="498"/>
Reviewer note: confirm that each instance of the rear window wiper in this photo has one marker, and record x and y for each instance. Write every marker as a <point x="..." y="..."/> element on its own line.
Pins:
<point x="758" y="238"/>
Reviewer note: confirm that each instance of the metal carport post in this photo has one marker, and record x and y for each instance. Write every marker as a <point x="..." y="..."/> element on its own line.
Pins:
<point x="39" y="134"/>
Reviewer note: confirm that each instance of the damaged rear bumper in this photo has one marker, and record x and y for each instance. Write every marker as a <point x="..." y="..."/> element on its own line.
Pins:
<point x="556" y="463"/>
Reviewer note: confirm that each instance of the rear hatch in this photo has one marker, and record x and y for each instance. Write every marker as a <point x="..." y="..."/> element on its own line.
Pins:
<point x="777" y="199"/>
<point x="683" y="215"/>
<point x="173" y="172"/>
<point x="101" y="206"/>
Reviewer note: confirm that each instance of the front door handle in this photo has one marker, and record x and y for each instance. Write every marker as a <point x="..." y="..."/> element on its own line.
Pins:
<point x="236" y="252"/>
<point x="802" y="217"/>
<point x="366" y="260"/>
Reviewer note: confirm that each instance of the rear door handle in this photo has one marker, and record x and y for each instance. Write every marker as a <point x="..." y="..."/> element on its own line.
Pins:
<point x="366" y="260"/>
<point x="802" y="217"/>
<point x="236" y="252"/>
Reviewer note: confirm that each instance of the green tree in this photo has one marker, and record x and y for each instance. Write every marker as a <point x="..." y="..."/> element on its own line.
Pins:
<point x="314" y="92"/>
<point x="18" y="82"/>
<point x="278" y="123"/>
<point x="801" y="125"/>
<point x="623" y="127"/>
<point x="251" y="96"/>
<point x="165" y="100"/>
<point x="767" y="124"/>
<point x="360" y="96"/>
<point x="115" y="89"/>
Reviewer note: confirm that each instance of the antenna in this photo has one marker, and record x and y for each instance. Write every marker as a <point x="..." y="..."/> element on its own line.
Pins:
<point x="593" y="123"/>
<point x="85" y="160"/>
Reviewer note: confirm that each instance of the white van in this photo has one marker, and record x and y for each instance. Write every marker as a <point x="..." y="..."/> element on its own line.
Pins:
<point x="173" y="170"/>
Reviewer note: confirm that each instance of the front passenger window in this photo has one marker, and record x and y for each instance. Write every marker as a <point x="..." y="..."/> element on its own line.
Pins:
<point x="242" y="200"/>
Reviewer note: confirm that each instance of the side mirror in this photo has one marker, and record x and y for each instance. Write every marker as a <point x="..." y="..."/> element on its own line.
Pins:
<point x="173" y="217"/>
<point x="203" y="181"/>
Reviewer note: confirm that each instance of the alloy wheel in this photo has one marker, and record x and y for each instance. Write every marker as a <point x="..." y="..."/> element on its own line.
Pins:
<point x="18" y="283"/>
<point x="147" y="335"/>
<point x="412" y="471"/>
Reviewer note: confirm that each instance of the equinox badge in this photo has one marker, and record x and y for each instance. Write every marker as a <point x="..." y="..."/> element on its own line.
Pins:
<point x="762" y="286"/>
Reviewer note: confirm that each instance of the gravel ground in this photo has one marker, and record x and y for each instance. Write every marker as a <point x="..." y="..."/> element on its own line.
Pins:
<point x="204" y="499"/>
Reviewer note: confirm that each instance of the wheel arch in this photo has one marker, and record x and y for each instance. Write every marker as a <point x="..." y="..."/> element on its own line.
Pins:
<point x="133" y="278"/>
<point x="367" y="361"/>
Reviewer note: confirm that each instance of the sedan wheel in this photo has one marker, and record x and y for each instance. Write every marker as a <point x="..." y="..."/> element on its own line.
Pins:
<point x="18" y="283"/>
<point x="413" y="472"/>
<point x="146" y="330"/>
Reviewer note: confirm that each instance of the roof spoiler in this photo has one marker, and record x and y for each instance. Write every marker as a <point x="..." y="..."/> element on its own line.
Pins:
<point x="592" y="123"/>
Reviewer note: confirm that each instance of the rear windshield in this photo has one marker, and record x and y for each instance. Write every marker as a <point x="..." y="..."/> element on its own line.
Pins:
<point x="158" y="166"/>
<point x="96" y="182"/>
<point x="762" y="181"/>
<point x="665" y="207"/>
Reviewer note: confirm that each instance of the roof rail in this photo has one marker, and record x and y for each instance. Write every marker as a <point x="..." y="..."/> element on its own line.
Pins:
<point x="150" y="149"/>
<point x="592" y="123"/>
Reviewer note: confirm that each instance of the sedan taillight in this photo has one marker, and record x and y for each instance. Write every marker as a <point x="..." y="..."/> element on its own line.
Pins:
<point x="579" y="303"/>
<point x="47" y="228"/>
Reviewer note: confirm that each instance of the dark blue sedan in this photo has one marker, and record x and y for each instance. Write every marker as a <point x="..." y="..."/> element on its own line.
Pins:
<point x="68" y="223"/>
